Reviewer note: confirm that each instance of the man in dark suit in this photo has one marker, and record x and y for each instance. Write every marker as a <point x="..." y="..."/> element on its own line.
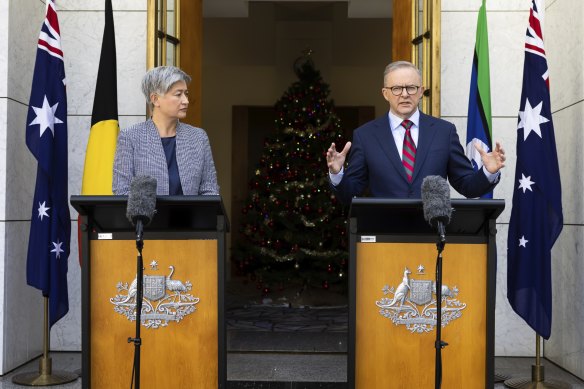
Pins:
<point x="392" y="154"/>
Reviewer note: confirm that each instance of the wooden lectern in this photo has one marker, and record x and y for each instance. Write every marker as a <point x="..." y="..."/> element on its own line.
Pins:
<point x="392" y="300"/>
<point x="183" y="326"/>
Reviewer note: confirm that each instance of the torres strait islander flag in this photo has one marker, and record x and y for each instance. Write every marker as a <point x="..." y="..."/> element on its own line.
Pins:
<point x="479" y="127"/>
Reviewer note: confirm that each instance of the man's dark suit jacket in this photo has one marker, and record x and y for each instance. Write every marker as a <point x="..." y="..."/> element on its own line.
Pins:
<point x="374" y="162"/>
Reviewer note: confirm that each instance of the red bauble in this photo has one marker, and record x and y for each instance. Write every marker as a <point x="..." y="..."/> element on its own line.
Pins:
<point x="325" y="284"/>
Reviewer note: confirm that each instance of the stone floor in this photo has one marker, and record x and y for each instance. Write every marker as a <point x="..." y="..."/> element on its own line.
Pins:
<point x="293" y="371"/>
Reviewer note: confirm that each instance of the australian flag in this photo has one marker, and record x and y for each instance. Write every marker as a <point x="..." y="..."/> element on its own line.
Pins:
<point x="46" y="138"/>
<point x="536" y="215"/>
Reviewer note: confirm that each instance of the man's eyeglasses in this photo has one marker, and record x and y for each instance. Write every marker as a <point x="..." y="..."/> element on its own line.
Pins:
<point x="398" y="90"/>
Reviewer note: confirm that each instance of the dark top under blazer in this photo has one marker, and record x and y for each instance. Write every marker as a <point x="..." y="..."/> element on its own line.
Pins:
<point x="374" y="162"/>
<point x="139" y="152"/>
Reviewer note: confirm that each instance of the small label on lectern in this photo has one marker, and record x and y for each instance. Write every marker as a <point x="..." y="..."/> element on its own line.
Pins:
<point x="368" y="239"/>
<point x="104" y="235"/>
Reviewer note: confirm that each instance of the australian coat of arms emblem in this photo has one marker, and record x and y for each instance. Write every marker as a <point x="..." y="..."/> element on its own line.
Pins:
<point x="413" y="303"/>
<point x="164" y="299"/>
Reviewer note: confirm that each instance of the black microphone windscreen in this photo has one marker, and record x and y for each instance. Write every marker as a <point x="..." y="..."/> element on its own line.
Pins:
<point x="141" y="200"/>
<point x="436" y="200"/>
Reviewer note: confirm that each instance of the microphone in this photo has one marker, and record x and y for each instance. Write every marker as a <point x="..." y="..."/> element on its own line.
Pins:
<point x="141" y="203"/>
<point x="436" y="203"/>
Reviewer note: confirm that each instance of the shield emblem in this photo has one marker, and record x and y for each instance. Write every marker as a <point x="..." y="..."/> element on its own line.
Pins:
<point x="420" y="291"/>
<point x="154" y="287"/>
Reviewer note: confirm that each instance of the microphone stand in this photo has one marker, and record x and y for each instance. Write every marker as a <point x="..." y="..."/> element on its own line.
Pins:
<point x="139" y="293"/>
<point x="439" y="344"/>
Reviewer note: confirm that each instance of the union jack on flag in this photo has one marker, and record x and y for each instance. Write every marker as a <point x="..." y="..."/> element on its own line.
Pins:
<point x="536" y="215"/>
<point x="46" y="138"/>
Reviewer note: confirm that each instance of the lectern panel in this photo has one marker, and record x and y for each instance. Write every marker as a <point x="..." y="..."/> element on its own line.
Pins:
<point x="179" y="348"/>
<point x="396" y="311"/>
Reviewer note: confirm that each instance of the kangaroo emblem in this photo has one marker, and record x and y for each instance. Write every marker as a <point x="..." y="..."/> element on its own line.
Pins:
<point x="401" y="293"/>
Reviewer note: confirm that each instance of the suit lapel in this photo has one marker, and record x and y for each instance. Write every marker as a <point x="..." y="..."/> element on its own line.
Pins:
<point x="157" y="156"/>
<point x="426" y="135"/>
<point x="384" y="136"/>
<point x="182" y="152"/>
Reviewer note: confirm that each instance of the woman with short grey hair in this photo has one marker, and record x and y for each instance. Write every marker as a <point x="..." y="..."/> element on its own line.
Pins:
<point x="176" y="154"/>
<point x="160" y="80"/>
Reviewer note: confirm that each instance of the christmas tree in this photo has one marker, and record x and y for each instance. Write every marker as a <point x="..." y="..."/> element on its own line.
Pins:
<point x="294" y="230"/>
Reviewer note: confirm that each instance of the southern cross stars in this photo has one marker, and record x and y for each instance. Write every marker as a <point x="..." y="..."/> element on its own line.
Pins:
<point x="43" y="210"/>
<point x="525" y="183"/>
<point x="523" y="241"/>
<point x="57" y="249"/>
<point x="45" y="117"/>
<point x="531" y="119"/>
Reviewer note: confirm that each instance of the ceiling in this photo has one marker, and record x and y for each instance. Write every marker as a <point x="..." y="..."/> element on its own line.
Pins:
<point x="240" y="8"/>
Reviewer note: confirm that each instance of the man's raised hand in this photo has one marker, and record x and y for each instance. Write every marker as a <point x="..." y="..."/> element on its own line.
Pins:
<point x="334" y="159"/>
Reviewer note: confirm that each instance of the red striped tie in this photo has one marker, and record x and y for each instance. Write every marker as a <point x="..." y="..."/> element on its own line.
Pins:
<point x="409" y="150"/>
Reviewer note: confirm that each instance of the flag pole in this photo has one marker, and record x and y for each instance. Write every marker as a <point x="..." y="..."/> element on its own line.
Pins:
<point x="45" y="376"/>
<point x="537" y="375"/>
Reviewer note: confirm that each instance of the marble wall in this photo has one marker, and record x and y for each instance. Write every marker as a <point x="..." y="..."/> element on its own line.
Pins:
<point x="81" y="23"/>
<point x="22" y="310"/>
<point x="565" y="54"/>
<point x="507" y="23"/>
<point x="3" y="108"/>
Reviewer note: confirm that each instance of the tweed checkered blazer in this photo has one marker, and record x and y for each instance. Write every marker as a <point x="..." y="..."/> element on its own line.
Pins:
<point x="140" y="152"/>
